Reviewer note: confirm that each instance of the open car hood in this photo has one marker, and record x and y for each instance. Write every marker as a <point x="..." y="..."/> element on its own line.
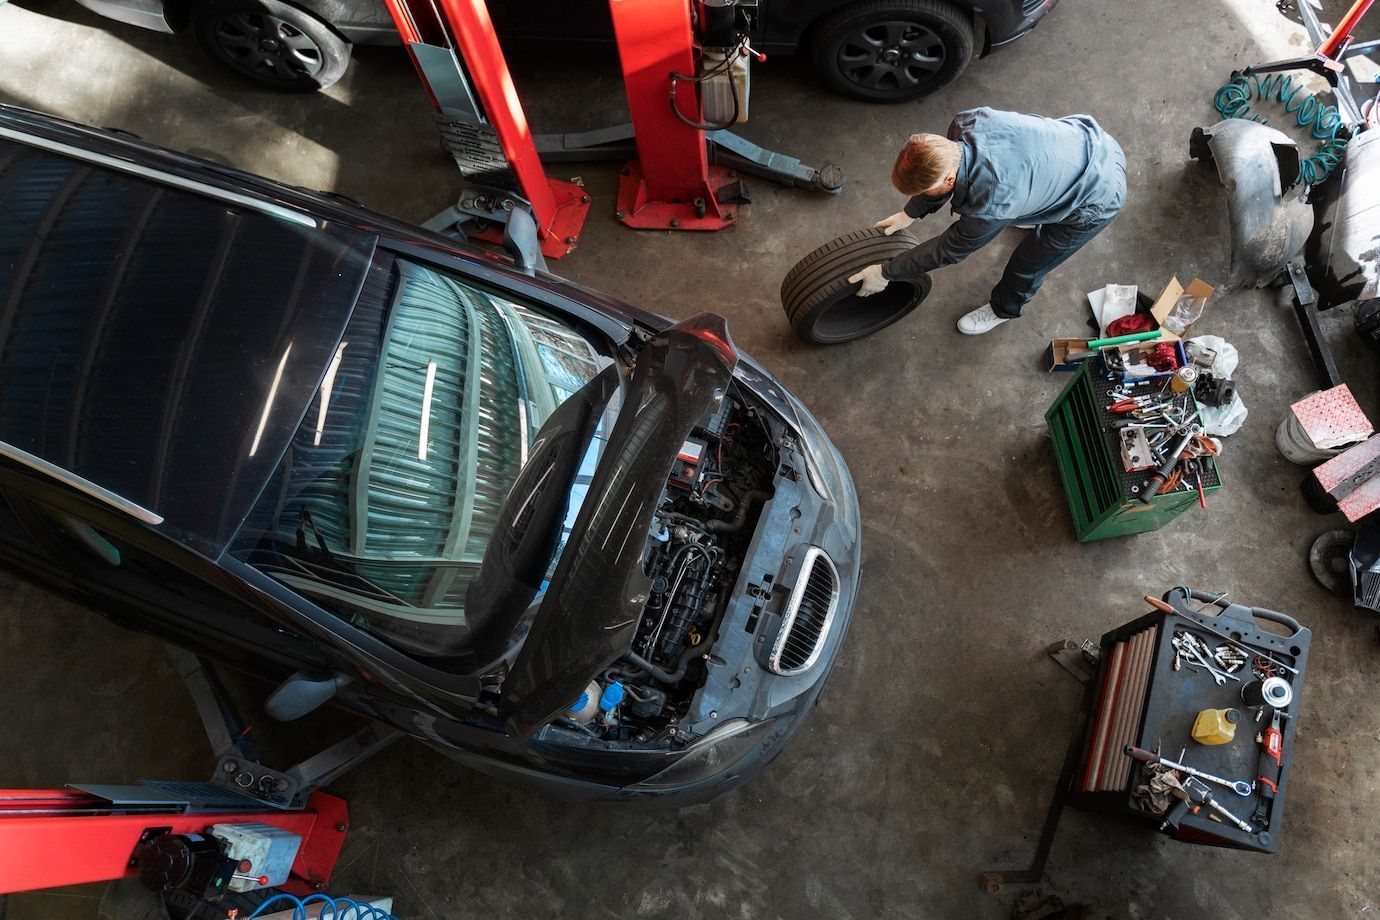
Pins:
<point x="596" y="595"/>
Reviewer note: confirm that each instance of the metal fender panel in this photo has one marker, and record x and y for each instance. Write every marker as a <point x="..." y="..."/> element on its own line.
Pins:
<point x="1258" y="165"/>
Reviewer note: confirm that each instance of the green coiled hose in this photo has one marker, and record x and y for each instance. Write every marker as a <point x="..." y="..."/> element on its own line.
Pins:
<point x="1323" y="121"/>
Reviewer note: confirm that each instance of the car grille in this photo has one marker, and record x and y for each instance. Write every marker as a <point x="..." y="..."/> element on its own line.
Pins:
<point x="1030" y="7"/>
<point x="808" y="615"/>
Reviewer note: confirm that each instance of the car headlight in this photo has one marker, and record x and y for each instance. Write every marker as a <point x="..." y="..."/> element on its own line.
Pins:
<point x="714" y="753"/>
<point x="821" y="459"/>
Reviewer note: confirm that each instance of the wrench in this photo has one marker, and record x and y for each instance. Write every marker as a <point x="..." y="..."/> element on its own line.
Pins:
<point x="1240" y="787"/>
<point x="1219" y="677"/>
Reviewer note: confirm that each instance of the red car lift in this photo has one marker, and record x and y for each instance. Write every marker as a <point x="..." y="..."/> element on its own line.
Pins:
<point x="680" y="177"/>
<point x="455" y="50"/>
<point x="683" y="158"/>
<point x="90" y="833"/>
<point x="671" y="184"/>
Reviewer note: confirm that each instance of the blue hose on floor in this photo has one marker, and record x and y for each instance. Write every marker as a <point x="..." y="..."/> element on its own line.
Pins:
<point x="1323" y="121"/>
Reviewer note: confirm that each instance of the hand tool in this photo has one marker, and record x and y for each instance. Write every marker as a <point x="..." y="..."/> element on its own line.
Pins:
<point x="1135" y="404"/>
<point x="1240" y="787"/>
<point x="1195" y="466"/>
<point x="1161" y="475"/>
<point x="1190" y="645"/>
<point x="1200" y="794"/>
<point x="1161" y="605"/>
<point x="1271" y="764"/>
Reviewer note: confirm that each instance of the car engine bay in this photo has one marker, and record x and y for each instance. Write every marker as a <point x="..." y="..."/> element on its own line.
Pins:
<point x="703" y="526"/>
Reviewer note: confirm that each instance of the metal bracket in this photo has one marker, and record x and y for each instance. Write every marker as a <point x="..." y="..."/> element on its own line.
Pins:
<point x="237" y="763"/>
<point x="291" y="788"/>
<point x="479" y="209"/>
<point x="724" y="148"/>
<point x="1306" y="308"/>
<point x="1317" y="34"/>
<point x="1078" y="658"/>
<point x="225" y="729"/>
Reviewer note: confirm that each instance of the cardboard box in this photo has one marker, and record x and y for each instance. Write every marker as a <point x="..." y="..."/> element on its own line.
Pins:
<point x="1067" y="354"/>
<point x="1164" y="304"/>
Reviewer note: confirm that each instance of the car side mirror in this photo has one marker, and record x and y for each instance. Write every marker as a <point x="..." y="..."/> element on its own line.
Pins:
<point x="303" y="693"/>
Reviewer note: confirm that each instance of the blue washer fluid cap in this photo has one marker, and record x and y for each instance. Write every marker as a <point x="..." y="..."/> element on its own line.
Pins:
<point x="581" y="702"/>
<point x="613" y="695"/>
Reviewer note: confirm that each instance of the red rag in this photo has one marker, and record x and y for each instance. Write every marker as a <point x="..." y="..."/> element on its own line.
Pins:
<point x="1163" y="358"/>
<point x="1129" y="325"/>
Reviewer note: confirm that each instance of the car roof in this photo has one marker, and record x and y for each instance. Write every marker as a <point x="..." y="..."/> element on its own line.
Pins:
<point x="159" y="341"/>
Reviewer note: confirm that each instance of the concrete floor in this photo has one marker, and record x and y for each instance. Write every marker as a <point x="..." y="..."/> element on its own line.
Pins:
<point x="933" y="753"/>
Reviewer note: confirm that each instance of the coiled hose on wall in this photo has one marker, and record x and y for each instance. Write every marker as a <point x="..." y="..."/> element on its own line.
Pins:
<point x="1323" y="121"/>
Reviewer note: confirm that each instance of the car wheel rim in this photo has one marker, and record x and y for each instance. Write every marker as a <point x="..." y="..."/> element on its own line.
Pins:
<point x="267" y="46"/>
<point x="891" y="56"/>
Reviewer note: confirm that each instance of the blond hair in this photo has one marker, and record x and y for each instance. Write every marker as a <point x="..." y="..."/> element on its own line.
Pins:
<point x="924" y="160"/>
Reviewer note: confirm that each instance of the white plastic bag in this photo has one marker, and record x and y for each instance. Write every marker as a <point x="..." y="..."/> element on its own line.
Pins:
<point x="1219" y="356"/>
<point x="1223" y="420"/>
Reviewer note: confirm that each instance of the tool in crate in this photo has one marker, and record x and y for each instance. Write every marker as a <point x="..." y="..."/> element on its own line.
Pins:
<point x="1159" y="431"/>
<point x="1181" y="679"/>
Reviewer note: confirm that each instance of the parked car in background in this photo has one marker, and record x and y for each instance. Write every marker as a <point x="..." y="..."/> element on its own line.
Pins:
<point x="873" y="50"/>
<point x="567" y="542"/>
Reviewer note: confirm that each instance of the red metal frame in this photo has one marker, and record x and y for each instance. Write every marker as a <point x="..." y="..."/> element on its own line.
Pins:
<point x="672" y="185"/>
<point x="55" y="837"/>
<point x="559" y="207"/>
<point x="1341" y="36"/>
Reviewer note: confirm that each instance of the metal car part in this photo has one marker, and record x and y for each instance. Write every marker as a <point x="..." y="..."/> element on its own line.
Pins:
<point x="808" y="615"/>
<point x="1258" y="165"/>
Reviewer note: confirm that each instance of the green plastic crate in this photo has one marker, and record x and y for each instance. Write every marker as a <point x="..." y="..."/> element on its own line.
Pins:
<point x="1089" y="460"/>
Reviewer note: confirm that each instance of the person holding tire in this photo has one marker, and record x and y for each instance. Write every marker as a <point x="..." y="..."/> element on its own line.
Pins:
<point x="1064" y="177"/>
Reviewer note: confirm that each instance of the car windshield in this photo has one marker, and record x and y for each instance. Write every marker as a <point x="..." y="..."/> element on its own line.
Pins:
<point x="385" y="501"/>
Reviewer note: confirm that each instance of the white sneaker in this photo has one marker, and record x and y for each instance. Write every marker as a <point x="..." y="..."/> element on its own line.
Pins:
<point x="981" y="320"/>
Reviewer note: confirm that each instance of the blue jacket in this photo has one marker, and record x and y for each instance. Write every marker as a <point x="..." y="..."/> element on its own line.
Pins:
<point x="1017" y="168"/>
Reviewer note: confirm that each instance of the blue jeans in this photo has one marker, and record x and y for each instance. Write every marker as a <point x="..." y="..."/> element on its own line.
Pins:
<point x="1044" y="249"/>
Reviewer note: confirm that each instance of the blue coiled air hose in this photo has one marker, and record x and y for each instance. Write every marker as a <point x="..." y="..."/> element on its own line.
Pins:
<point x="1323" y="121"/>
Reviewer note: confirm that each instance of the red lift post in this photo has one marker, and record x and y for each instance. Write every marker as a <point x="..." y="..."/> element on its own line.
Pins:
<point x="671" y="185"/>
<point x="458" y="58"/>
<point x="680" y="179"/>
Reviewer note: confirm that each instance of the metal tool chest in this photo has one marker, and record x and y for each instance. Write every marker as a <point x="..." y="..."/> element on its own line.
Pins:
<point x="1088" y="453"/>
<point x="1140" y="699"/>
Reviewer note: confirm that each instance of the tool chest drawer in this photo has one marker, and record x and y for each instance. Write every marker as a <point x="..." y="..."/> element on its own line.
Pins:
<point x="1141" y="699"/>
<point x="1103" y="497"/>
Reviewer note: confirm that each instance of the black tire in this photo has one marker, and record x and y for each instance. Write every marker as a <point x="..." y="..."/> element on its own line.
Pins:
<point x="1329" y="559"/>
<point x="892" y="50"/>
<point x="271" y="43"/>
<point x="822" y="304"/>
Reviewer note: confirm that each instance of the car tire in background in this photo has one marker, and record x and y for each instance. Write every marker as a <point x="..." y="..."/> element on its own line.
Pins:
<point x="271" y="43"/>
<point x="822" y="304"/>
<point x="892" y="50"/>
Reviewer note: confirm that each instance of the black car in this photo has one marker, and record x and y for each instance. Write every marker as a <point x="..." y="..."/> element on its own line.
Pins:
<point x="874" y="50"/>
<point x="568" y="542"/>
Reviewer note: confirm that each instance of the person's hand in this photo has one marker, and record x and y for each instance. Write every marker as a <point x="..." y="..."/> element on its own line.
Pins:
<point x="871" y="280"/>
<point x="898" y="221"/>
